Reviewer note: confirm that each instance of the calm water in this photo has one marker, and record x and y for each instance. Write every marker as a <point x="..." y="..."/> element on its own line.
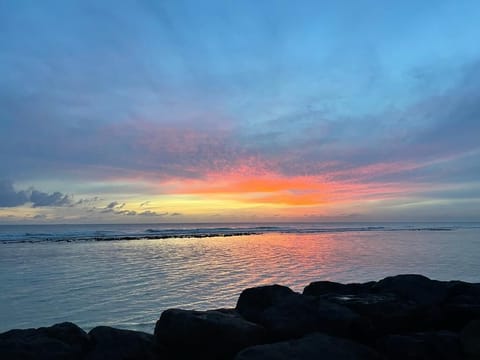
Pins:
<point x="46" y="278"/>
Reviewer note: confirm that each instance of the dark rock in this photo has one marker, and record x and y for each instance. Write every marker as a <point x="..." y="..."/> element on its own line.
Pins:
<point x="60" y="341"/>
<point x="470" y="338"/>
<point x="416" y="288"/>
<point x="453" y="316"/>
<point x="463" y="291"/>
<point x="206" y="334"/>
<point x="286" y="314"/>
<point x="228" y="311"/>
<point x="117" y="344"/>
<point x="253" y="302"/>
<point x="298" y="315"/>
<point x="312" y="347"/>
<point x="441" y="345"/>
<point x="387" y="312"/>
<point x="319" y="288"/>
<point x="461" y="306"/>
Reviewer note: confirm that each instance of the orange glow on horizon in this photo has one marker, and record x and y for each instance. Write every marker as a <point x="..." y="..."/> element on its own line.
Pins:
<point x="250" y="191"/>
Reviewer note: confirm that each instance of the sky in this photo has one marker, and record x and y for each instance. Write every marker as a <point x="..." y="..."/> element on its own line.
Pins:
<point x="239" y="111"/>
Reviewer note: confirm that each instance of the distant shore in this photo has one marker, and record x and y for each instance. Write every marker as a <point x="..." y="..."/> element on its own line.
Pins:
<point x="398" y="317"/>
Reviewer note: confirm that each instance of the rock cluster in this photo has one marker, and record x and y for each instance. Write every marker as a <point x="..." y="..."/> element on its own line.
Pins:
<point x="399" y="317"/>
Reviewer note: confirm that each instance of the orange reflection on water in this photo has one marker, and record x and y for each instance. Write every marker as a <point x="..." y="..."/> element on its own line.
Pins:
<point x="234" y="263"/>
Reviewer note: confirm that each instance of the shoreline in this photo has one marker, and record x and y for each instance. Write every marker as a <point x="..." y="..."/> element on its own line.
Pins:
<point x="399" y="317"/>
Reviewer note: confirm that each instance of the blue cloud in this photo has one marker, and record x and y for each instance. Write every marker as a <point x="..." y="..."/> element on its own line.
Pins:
<point x="9" y="197"/>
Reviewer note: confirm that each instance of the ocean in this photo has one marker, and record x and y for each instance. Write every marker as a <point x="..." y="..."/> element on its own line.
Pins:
<point x="126" y="275"/>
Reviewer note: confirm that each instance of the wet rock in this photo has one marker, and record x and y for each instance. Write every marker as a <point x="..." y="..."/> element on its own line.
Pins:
<point x="117" y="344"/>
<point x="60" y="341"/>
<point x="206" y="334"/>
<point x="312" y="347"/>
<point x="470" y="339"/>
<point x="440" y="345"/>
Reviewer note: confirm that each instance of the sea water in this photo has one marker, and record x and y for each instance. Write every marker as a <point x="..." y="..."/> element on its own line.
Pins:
<point x="126" y="275"/>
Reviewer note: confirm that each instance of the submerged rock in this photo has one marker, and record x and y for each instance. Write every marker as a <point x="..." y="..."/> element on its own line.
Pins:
<point x="312" y="347"/>
<point x="206" y="334"/>
<point x="60" y="341"/>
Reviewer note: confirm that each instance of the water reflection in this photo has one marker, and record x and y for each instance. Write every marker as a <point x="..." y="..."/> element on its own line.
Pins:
<point x="129" y="283"/>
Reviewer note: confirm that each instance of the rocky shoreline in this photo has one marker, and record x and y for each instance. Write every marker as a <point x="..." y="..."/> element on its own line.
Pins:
<point x="399" y="317"/>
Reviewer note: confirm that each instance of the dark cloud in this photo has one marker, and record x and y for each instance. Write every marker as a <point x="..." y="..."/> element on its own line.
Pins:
<point x="116" y="207"/>
<point x="152" y="213"/>
<point x="112" y="205"/>
<point x="86" y="201"/>
<point x="9" y="197"/>
<point x="126" y="212"/>
<point x="39" y="199"/>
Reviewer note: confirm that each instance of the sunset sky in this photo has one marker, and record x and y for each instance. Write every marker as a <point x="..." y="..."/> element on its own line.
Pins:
<point x="211" y="111"/>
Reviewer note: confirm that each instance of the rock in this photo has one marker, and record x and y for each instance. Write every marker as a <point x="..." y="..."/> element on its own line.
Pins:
<point x="312" y="347"/>
<point x="440" y="345"/>
<point x="319" y="288"/>
<point x="455" y="316"/>
<point x="416" y="288"/>
<point x="470" y="339"/>
<point x="117" y="344"/>
<point x="298" y="315"/>
<point x="60" y="341"/>
<point x="387" y="312"/>
<point x="463" y="291"/>
<point x="253" y="302"/>
<point x="286" y="314"/>
<point x="206" y="334"/>
<point x="461" y="306"/>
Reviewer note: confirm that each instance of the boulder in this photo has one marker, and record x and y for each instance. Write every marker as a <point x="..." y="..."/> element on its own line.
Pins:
<point x="470" y="339"/>
<point x="453" y="316"/>
<point x="298" y="315"/>
<point x="60" y="341"/>
<point x="387" y="312"/>
<point x="254" y="301"/>
<point x="206" y="334"/>
<point x="463" y="291"/>
<point x="286" y="314"/>
<point x="312" y="347"/>
<point x="439" y="345"/>
<point x="461" y="306"/>
<point x="117" y="344"/>
<point x="415" y="288"/>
